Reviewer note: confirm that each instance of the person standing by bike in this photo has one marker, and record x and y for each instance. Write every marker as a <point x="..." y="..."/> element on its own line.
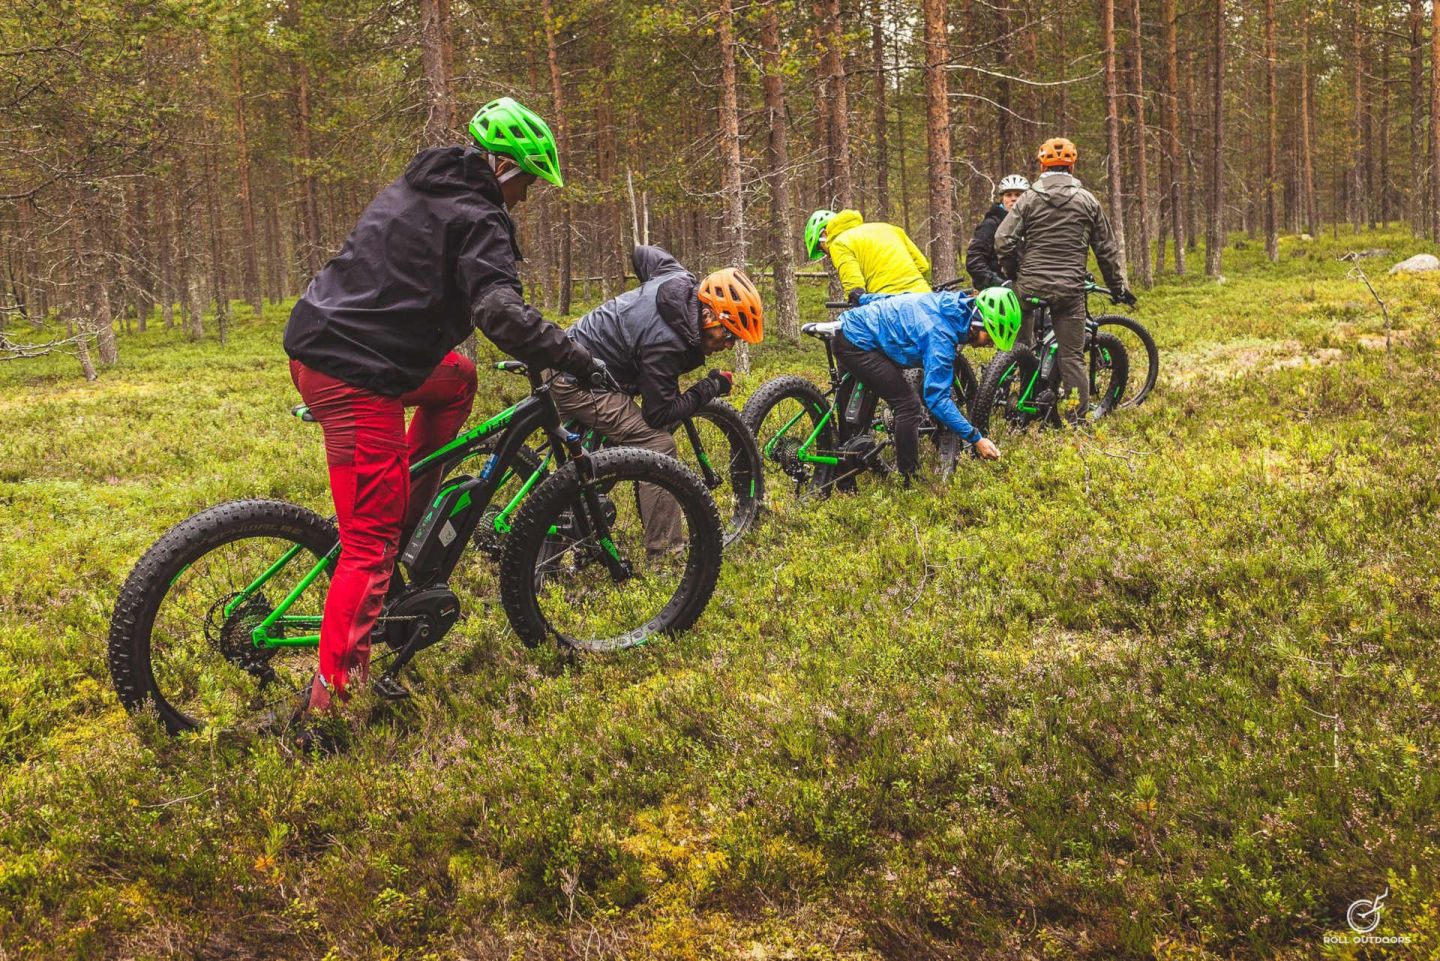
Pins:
<point x="981" y="261"/>
<point x="1059" y="223"/>
<point x="431" y="259"/>
<point x="647" y="338"/>
<point x="870" y="257"/>
<point x="886" y="334"/>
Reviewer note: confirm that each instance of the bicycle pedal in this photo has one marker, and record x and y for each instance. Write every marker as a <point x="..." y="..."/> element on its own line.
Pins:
<point x="389" y="688"/>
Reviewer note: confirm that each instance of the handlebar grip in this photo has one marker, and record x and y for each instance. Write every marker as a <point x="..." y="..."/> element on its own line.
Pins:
<point x="838" y="304"/>
<point x="513" y="366"/>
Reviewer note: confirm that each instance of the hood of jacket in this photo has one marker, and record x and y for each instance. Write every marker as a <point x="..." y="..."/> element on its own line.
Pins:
<point x="996" y="213"/>
<point x="956" y="309"/>
<point x="674" y="291"/>
<point x="448" y="170"/>
<point x="1057" y="189"/>
<point x="842" y="222"/>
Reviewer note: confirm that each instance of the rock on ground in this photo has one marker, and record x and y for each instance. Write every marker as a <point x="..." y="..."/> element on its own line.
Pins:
<point x="1417" y="264"/>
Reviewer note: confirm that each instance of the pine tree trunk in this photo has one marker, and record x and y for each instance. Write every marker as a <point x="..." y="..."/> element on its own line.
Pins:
<point x="311" y="247"/>
<point x="1192" y="230"/>
<point x="1382" y="163"/>
<point x="731" y="185"/>
<point x="562" y="137"/>
<point x="1307" y="157"/>
<point x="219" y="284"/>
<point x="1272" y="109"/>
<point x="1354" y="185"/>
<point x="882" y="154"/>
<point x="1174" y="151"/>
<point x="1142" y="162"/>
<point x="1215" y="215"/>
<point x="1112" y="128"/>
<point x="434" y="59"/>
<point x="777" y="162"/>
<point x="943" y="264"/>
<point x="249" y="248"/>
<point x="1416" y="196"/>
<point x="900" y="144"/>
<point x="839" y="104"/>
<point x="1435" y="122"/>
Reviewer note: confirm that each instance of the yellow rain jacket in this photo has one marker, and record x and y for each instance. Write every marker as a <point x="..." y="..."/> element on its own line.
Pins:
<point x="877" y="257"/>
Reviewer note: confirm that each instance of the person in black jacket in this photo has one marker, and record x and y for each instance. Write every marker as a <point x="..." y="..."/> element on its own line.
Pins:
<point x="647" y="337"/>
<point x="981" y="261"/>
<point x="431" y="259"/>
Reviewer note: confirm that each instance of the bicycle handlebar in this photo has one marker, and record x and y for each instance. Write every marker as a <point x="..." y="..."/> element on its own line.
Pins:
<point x="838" y="305"/>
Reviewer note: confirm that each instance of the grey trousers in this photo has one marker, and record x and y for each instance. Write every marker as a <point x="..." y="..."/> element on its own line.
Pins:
<point x="619" y="419"/>
<point x="1067" y="315"/>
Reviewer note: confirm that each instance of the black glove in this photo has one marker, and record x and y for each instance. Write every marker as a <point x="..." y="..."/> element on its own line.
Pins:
<point x="723" y="379"/>
<point x="853" y="298"/>
<point x="598" y="376"/>
<point x="1125" y="296"/>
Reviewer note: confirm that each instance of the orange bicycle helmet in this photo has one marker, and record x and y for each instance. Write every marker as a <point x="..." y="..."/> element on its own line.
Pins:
<point x="1057" y="152"/>
<point x="735" y="302"/>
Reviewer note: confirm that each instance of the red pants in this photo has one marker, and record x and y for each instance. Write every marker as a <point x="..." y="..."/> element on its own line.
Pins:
<point x="369" y="453"/>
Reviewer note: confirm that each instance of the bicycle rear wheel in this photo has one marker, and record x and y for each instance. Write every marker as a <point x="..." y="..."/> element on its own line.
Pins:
<point x="782" y="414"/>
<point x="559" y="579"/>
<point x="180" y="635"/>
<point x="1109" y="371"/>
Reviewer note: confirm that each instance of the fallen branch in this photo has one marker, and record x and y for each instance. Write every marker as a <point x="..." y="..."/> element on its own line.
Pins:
<point x="1384" y="309"/>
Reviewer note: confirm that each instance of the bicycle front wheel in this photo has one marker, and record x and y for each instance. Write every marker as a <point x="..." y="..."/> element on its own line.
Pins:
<point x="560" y="578"/>
<point x="180" y="638"/>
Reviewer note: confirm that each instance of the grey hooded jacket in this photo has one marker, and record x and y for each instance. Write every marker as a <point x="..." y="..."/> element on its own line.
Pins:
<point x="1059" y="222"/>
<point x="649" y="336"/>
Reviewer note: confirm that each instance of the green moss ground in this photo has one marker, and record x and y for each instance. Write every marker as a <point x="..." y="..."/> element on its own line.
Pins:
<point x="1166" y="691"/>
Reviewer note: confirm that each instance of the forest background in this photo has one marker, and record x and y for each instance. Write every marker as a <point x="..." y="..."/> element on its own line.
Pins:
<point x="162" y="160"/>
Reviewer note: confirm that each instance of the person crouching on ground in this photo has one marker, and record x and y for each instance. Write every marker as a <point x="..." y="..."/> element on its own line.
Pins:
<point x="647" y="337"/>
<point x="887" y="334"/>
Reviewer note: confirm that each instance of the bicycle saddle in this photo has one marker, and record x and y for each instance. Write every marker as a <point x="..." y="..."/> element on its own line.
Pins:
<point x="827" y="329"/>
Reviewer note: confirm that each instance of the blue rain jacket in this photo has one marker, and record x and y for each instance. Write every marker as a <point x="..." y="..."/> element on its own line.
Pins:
<point x="919" y="330"/>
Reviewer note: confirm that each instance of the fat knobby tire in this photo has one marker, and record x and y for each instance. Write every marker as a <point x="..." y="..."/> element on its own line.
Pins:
<point x="560" y="492"/>
<point x="739" y="434"/>
<point x="151" y="579"/>
<point x="991" y="379"/>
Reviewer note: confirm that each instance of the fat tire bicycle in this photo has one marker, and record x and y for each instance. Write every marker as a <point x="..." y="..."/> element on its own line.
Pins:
<point x="1140" y="381"/>
<point x="809" y="441"/>
<point x="219" y="619"/>
<point x="1022" y="386"/>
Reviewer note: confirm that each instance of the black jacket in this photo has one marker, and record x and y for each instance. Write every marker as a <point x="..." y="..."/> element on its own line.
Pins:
<point x="649" y="336"/>
<point x="431" y="257"/>
<point x="981" y="261"/>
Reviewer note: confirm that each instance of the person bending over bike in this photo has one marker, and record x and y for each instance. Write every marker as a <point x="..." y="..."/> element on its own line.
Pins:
<point x="1059" y="222"/>
<point x="647" y="338"/>
<point x="886" y="334"/>
<point x="870" y="257"/>
<point x="981" y="262"/>
<point x="431" y="259"/>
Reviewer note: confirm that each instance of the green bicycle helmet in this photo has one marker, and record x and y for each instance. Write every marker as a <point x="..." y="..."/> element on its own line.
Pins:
<point x="814" y="229"/>
<point x="1000" y="312"/>
<point x="506" y="127"/>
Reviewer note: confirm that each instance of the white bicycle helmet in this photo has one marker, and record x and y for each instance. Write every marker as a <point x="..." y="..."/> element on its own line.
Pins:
<point x="1011" y="182"/>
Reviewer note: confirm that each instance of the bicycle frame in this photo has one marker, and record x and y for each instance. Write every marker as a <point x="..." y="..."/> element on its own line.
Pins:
<point x="512" y="426"/>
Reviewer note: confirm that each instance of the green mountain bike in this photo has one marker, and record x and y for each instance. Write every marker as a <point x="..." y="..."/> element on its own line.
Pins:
<point x="219" y="620"/>
<point x="806" y="439"/>
<point x="1022" y="386"/>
